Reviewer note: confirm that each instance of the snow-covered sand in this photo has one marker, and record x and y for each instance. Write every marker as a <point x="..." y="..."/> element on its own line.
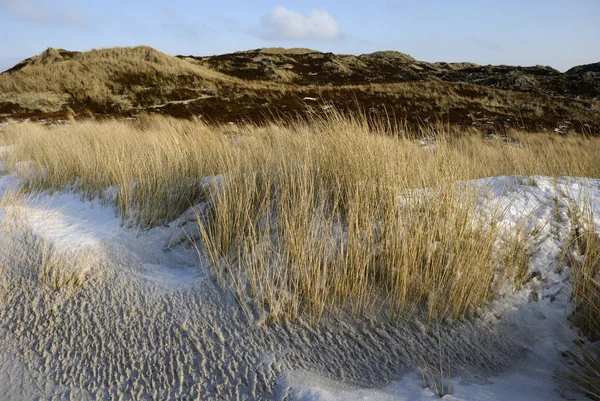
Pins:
<point x="154" y="326"/>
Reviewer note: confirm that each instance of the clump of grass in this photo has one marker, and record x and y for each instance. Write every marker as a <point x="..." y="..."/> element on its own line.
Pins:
<point x="585" y="278"/>
<point x="586" y="274"/>
<point x="56" y="271"/>
<point x="437" y="378"/>
<point x="519" y="245"/>
<point x="290" y="241"/>
<point x="10" y="200"/>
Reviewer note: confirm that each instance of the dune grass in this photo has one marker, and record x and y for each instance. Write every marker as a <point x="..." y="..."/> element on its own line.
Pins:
<point x="290" y="243"/>
<point x="329" y="214"/>
<point x="585" y="264"/>
<point x="57" y="271"/>
<point x="586" y="274"/>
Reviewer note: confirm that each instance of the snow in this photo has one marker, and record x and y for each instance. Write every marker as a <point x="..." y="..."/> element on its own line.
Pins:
<point x="185" y="101"/>
<point x="541" y="325"/>
<point x="74" y="224"/>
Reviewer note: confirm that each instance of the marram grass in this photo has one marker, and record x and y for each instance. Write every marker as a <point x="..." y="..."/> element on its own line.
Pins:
<point x="331" y="214"/>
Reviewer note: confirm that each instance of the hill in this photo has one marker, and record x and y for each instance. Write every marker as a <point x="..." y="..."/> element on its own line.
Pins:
<point x="107" y="80"/>
<point x="582" y="69"/>
<point x="261" y="83"/>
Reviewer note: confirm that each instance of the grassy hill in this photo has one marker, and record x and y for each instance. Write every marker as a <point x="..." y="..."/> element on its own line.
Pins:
<point x="113" y="79"/>
<point x="260" y="84"/>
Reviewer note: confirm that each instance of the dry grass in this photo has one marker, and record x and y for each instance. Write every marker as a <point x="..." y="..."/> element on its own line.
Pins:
<point x="519" y="245"/>
<point x="585" y="264"/>
<point x="57" y="271"/>
<point x="13" y="203"/>
<point x="42" y="101"/>
<point x="585" y="376"/>
<point x="586" y="277"/>
<point x="289" y="242"/>
<point x="319" y="215"/>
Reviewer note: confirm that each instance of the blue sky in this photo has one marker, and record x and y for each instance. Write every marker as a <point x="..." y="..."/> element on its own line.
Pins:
<point x="559" y="33"/>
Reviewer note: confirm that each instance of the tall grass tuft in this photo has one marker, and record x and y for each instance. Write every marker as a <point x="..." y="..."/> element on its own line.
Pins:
<point x="585" y="278"/>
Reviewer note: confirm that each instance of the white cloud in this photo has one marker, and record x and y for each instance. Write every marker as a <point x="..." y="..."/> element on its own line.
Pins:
<point x="45" y="12"/>
<point x="281" y="23"/>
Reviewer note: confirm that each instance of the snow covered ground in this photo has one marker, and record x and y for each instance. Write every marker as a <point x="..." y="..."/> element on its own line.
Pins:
<point x="156" y="328"/>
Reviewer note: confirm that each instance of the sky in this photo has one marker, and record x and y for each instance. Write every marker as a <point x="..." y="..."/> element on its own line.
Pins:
<point x="558" y="33"/>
